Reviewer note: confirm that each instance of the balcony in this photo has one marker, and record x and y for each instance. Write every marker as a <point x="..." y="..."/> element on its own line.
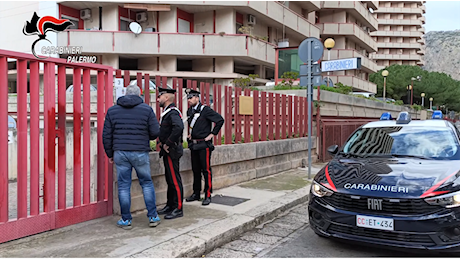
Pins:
<point x="399" y="45"/>
<point x="421" y="51"/>
<point x="356" y="83"/>
<point x="176" y="44"/>
<point x="423" y="7"/>
<point x="422" y="41"/>
<point x="366" y="64"/>
<point x="423" y="19"/>
<point x="356" y="9"/>
<point x="421" y="63"/>
<point x="351" y="30"/>
<point x="417" y="22"/>
<point x="268" y="11"/>
<point x="422" y="30"/>
<point x="399" y="10"/>
<point x="376" y="56"/>
<point x="372" y="4"/>
<point x="310" y="5"/>
<point x="397" y="33"/>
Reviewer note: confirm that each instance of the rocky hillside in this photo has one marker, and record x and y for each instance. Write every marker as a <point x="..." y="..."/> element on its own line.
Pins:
<point x="443" y="52"/>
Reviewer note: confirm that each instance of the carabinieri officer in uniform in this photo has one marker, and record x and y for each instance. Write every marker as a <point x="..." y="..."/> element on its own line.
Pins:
<point x="171" y="129"/>
<point x="200" y="119"/>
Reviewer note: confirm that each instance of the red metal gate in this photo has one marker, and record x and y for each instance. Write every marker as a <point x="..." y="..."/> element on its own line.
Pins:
<point x="336" y="131"/>
<point x="38" y="212"/>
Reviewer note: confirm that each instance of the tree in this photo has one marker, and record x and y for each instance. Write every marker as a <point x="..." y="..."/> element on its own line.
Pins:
<point x="441" y="87"/>
<point x="245" y="82"/>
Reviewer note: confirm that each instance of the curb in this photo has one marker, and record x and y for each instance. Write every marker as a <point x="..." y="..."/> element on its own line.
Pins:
<point x="203" y="240"/>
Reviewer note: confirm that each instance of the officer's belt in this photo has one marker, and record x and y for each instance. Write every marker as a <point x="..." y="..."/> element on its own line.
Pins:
<point x="197" y="140"/>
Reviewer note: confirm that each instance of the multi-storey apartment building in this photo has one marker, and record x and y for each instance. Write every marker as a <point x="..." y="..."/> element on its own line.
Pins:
<point x="400" y="34"/>
<point x="350" y="23"/>
<point x="209" y="41"/>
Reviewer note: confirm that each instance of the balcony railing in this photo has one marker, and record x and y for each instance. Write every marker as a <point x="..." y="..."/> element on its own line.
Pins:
<point x="350" y="29"/>
<point x="269" y="10"/>
<point x="347" y="53"/>
<point x="399" y="45"/>
<point x="195" y="44"/>
<point x="397" y="33"/>
<point x="376" y="56"/>
<point x="399" y="10"/>
<point x="355" y="82"/>
<point x="416" y="22"/>
<point x="359" y="11"/>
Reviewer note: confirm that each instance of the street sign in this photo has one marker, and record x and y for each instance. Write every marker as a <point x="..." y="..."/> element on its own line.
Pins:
<point x="117" y="82"/>
<point x="310" y="51"/>
<point x="317" y="49"/>
<point x="342" y="64"/>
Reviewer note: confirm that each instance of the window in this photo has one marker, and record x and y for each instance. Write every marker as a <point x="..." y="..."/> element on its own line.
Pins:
<point x="75" y="22"/>
<point x="124" y="24"/>
<point x="184" y="26"/>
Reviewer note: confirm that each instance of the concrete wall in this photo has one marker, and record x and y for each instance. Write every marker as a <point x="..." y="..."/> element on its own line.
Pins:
<point x="335" y="104"/>
<point x="231" y="164"/>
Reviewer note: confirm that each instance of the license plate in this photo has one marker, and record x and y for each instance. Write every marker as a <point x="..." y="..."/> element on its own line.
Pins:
<point x="375" y="223"/>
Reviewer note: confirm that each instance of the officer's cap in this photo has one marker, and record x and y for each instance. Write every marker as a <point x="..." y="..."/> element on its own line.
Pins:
<point x="192" y="93"/>
<point x="162" y="91"/>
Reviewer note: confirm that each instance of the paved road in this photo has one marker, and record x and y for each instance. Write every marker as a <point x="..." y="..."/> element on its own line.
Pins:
<point x="290" y="236"/>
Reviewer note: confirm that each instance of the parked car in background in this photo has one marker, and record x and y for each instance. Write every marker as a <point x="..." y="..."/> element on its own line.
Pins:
<point x="152" y="85"/>
<point x="70" y="88"/>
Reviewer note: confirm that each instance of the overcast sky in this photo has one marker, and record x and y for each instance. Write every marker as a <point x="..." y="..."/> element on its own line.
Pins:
<point x="442" y="15"/>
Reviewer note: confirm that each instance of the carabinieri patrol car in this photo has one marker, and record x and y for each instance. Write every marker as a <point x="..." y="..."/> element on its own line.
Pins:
<point x="393" y="183"/>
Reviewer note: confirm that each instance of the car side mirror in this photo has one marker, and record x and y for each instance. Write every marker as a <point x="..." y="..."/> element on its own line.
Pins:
<point x="333" y="149"/>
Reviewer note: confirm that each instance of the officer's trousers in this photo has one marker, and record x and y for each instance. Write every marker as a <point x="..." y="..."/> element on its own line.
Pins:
<point x="201" y="163"/>
<point x="175" y="192"/>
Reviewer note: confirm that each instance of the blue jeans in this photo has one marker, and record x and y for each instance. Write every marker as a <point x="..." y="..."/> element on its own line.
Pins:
<point x="125" y="161"/>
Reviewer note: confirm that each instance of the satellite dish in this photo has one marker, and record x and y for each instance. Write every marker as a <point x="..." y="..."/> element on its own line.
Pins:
<point x="135" y="28"/>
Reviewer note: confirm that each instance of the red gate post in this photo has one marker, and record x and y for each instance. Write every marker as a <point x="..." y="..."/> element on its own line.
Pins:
<point x="100" y="123"/>
<point x="126" y="78"/>
<point x="208" y="89"/>
<point x="290" y="115"/>
<point x="3" y="141"/>
<point x="263" y="112"/>
<point x="277" y="116"/>
<point x="109" y="167"/>
<point x="139" y="81"/>
<point x="237" y="116"/>
<point x="215" y="107"/>
<point x="35" y="136"/>
<point x="247" y="121"/>
<point x="296" y="115"/>
<point x="62" y="136"/>
<point x="202" y="91"/>
<point x="284" y="117"/>
<point x="77" y="136"/>
<point x="230" y="116"/>
<point x="164" y="83"/>
<point x="194" y="84"/>
<point x="22" y="138"/>
<point x="180" y="93"/>
<point x="157" y="106"/>
<point x="270" y="116"/>
<point x="86" y="137"/>
<point x="50" y="135"/>
<point x="147" y="89"/>
<point x="218" y="102"/>
<point x="175" y="88"/>
<point x="302" y="106"/>
<point x="255" y="119"/>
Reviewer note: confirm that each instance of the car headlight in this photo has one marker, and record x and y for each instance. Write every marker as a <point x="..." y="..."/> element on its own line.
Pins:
<point x="450" y="200"/>
<point x="319" y="190"/>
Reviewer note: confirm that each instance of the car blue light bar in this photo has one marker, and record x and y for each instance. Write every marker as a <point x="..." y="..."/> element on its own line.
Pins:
<point x="403" y="118"/>
<point x="437" y="114"/>
<point x="386" y="116"/>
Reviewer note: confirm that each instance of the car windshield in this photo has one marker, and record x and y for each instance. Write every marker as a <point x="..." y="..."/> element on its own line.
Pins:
<point x="408" y="141"/>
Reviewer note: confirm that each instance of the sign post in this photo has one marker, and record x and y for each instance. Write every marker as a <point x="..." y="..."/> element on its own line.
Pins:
<point x="310" y="51"/>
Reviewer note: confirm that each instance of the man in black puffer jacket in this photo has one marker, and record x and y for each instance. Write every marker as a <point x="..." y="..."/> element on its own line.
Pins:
<point x="129" y="126"/>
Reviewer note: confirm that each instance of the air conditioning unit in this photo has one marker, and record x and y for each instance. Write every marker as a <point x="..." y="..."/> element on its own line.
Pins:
<point x="141" y="17"/>
<point x="85" y="14"/>
<point x="251" y="19"/>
